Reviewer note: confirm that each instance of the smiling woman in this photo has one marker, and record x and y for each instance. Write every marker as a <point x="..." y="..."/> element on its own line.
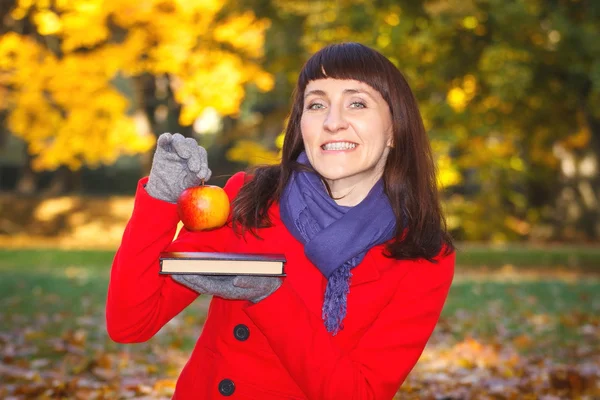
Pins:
<point x="353" y="206"/>
<point x="347" y="132"/>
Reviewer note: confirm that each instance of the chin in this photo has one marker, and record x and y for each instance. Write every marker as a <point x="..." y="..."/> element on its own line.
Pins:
<point x="334" y="176"/>
<point x="332" y="171"/>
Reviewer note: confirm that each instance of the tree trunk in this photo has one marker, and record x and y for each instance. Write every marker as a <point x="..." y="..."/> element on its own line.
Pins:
<point x="174" y="112"/>
<point x="4" y="132"/>
<point x="64" y="181"/>
<point x="591" y="189"/>
<point x="144" y="90"/>
<point x="28" y="178"/>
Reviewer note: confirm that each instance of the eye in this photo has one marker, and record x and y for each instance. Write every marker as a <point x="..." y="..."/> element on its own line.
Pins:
<point x="315" y="106"/>
<point x="358" y="104"/>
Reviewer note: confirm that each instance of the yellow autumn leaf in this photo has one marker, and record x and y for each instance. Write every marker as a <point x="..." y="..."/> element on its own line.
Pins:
<point x="457" y="99"/>
<point x="48" y="23"/>
<point x="64" y="102"/>
<point x="252" y="153"/>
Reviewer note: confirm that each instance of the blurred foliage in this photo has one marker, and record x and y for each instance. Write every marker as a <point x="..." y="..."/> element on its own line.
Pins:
<point x="509" y="91"/>
<point x="60" y="62"/>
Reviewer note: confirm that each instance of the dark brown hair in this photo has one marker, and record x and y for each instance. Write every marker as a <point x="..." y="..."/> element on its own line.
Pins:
<point x="409" y="174"/>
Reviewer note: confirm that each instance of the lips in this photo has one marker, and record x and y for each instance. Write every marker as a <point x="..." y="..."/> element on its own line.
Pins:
<point x="338" y="146"/>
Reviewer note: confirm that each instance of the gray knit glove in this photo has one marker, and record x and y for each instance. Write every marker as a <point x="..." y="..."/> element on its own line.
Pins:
<point x="179" y="163"/>
<point x="232" y="287"/>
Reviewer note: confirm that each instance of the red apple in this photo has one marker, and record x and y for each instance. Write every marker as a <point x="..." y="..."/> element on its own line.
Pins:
<point x="203" y="207"/>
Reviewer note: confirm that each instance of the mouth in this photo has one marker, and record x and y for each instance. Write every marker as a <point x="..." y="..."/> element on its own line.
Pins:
<point x="338" y="146"/>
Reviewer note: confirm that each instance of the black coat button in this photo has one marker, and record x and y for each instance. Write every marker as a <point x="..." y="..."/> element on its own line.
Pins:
<point x="226" y="387"/>
<point x="241" y="332"/>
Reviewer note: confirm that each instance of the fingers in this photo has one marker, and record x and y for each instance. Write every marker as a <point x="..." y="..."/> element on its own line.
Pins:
<point x="190" y="180"/>
<point x="204" y="172"/>
<point x="186" y="279"/>
<point x="184" y="147"/>
<point x="242" y="281"/>
<point x="248" y="282"/>
<point x="194" y="163"/>
<point x="187" y="149"/>
<point x="193" y="282"/>
<point x="181" y="279"/>
<point x="164" y="141"/>
<point x="219" y="278"/>
<point x="256" y="288"/>
<point x="198" y="160"/>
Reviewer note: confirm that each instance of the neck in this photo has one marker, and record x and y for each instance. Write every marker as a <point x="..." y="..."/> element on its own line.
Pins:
<point x="350" y="192"/>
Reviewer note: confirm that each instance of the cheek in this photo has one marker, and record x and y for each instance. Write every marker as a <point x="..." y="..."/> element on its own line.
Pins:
<point x="307" y="129"/>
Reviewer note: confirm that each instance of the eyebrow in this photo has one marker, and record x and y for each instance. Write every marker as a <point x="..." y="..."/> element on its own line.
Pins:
<point x="318" y="92"/>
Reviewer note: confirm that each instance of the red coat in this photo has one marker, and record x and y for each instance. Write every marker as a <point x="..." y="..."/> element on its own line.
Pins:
<point x="279" y="348"/>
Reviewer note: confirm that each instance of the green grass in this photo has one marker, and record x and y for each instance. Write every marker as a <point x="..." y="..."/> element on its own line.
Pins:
<point x="551" y="310"/>
<point x="579" y="258"/>
<point x="468" y="255"/>
<point x="31" y="277"/>
<point x="71" y="285"/>
<point x="52" y="296"/>
<point x="46" y="258"/>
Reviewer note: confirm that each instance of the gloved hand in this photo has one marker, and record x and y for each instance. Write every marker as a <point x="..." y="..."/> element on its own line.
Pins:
<point x="232" y="287"/>
<point x="178" y="163"/>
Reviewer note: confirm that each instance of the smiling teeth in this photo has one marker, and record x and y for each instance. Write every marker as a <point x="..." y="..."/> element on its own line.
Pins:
<point x="339" y="146"/>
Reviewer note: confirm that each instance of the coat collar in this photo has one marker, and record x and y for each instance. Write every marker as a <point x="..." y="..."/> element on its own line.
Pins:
<point x="369" y="269"/>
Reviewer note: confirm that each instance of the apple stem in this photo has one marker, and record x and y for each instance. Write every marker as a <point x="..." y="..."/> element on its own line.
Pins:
<point x="202" y="182"/>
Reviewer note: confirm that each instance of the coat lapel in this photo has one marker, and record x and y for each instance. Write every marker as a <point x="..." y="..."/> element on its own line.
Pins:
<point x="368" y="269"/>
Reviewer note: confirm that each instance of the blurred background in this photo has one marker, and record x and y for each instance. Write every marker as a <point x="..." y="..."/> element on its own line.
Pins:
<point x="510" y="95"/>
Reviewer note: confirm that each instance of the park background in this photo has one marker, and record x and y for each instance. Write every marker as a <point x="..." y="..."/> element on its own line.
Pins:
<point x="510" y="96"/>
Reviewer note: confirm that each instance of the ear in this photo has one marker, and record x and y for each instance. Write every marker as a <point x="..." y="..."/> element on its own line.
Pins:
<point x="390" y="141"/>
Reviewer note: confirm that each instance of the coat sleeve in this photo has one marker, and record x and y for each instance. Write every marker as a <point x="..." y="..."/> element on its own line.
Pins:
<point x="140" y="301"/>
<point x="384" y="356"/>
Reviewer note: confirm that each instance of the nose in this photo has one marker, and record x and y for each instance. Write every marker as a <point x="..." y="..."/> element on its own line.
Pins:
<point x="335" y="121"/>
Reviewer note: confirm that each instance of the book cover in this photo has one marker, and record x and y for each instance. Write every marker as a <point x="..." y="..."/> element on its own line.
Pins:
<point x="217" y="263"/>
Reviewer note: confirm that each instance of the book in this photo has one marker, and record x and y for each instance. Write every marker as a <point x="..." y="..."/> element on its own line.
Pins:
<point x="208" y="263"/>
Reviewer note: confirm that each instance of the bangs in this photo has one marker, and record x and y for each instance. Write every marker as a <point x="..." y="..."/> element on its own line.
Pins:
<point x="348" y="61"/>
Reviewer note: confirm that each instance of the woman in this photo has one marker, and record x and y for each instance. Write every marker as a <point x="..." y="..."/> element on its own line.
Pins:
<point x="354" y="207"/>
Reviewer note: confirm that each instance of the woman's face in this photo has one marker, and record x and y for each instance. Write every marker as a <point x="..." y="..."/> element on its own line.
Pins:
<point x="347" y="131"/>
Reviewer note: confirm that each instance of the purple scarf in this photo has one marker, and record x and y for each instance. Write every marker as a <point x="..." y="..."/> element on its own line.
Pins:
<point x="336" y="238"/>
